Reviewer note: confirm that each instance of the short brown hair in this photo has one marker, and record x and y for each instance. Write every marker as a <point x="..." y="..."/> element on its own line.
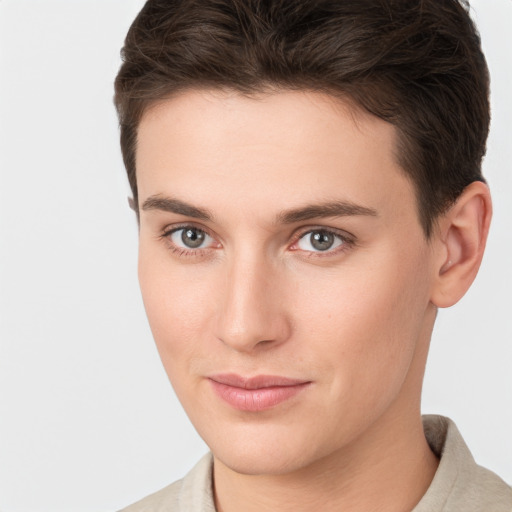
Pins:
<point x="417" y="64"/>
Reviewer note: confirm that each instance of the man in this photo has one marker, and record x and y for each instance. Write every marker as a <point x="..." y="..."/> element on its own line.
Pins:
<point x="307" y="181"/>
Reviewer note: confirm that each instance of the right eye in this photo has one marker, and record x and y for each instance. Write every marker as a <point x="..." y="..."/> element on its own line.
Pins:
<point x="190" y="237"/>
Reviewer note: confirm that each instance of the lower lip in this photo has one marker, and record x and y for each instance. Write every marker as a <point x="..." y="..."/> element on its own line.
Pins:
<point x="254" y="400"/>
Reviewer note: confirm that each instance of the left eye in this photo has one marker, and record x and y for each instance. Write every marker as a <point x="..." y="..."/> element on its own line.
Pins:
<point x="190" y="238"/>
<point x="319" y="241"/>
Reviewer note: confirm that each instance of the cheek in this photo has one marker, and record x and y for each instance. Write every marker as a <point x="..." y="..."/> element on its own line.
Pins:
<point x="366" y="324"/>
<point x="177" y="302"/>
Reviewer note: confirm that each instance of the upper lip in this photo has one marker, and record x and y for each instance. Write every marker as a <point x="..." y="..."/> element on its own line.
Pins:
<point x="256" y="382"/>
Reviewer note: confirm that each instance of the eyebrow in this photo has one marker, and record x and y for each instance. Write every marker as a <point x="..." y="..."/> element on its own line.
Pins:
<point x="303" y="213"/>
<point x="329" y="209"/>
<point x="172" y="205"/>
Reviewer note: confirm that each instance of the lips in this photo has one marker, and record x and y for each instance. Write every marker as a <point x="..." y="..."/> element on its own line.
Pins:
<point x="257" y="393"/>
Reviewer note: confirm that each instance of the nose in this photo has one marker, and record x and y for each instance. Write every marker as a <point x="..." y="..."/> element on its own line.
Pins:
<point x="251" y="313"/>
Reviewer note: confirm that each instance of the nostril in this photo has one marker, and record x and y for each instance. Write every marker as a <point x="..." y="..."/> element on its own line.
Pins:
<point x="265" y="342"/>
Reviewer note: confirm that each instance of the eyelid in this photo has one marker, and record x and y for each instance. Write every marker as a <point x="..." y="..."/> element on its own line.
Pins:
<point x="171" y="228"/>
<point x="304" y="230"/>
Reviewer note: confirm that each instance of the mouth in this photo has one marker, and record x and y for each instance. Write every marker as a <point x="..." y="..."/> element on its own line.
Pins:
<point x="257" y="393"/>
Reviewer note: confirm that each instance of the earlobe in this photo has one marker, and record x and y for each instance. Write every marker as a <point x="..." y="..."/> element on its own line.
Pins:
<point x="462" y="236"/>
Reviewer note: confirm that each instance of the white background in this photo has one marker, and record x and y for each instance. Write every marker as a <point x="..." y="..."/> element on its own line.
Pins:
<point x="87" y="418"/>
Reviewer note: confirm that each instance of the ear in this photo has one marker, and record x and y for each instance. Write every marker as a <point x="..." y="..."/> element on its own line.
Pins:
<point x="461" y="237"/>
<point x="131" y="203"/>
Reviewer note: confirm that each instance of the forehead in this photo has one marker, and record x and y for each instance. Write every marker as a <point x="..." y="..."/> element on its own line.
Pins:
<point x="276" y="148"/>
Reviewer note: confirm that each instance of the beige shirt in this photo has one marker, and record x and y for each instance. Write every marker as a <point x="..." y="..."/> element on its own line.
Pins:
<point x="459" y="485"/>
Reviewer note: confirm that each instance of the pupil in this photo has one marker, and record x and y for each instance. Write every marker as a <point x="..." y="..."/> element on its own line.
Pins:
<point x="322" y="240"/>
<point x="192" y="238"/>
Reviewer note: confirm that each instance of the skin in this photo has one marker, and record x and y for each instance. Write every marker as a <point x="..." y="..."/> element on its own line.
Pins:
<point x="257" y="298"/>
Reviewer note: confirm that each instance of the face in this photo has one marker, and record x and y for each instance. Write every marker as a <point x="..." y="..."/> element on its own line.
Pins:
<point x="284" y="272"/>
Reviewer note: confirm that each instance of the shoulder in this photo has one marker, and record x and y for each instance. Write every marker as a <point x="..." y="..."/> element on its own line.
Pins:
<point x="480" y="490"/>
<point x="165" y="499"/>
<point x="460" y="483"/>
<point x="193" y="492"/>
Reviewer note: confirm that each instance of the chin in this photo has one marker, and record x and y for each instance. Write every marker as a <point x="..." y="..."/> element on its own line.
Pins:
<point x="259" y="462"/>
<point x="277" y="451"/>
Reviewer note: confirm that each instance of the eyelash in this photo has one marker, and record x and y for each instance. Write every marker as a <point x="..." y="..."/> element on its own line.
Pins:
<point x="347" y="241"/>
